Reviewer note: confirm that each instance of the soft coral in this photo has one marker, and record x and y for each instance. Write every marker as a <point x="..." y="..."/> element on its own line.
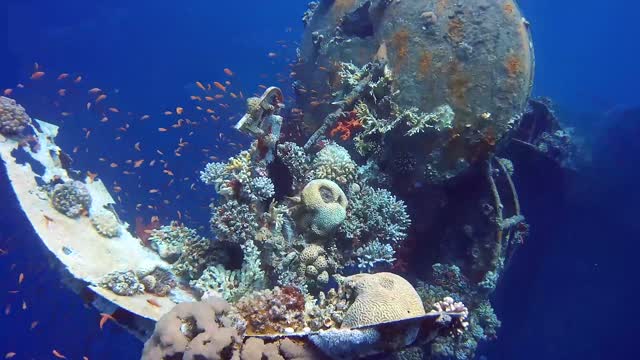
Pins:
<point x="347" y="124"/>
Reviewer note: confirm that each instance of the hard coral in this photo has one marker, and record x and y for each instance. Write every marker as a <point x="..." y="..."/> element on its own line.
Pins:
<point x="334" y="163"/>
<point x="194" y="331"/>
<point x="380" y="297"/>
<point x="123" y="283"/>
<point x="323" y="207"/>
<point x="72" y="198"/>
<point x="13" y="118"/>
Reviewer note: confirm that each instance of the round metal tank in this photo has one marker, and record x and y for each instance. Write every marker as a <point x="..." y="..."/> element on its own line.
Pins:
<point x="475" y="56"/>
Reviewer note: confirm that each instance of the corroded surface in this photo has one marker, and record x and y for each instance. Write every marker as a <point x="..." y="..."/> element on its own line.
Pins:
<point x="474" y="55"/>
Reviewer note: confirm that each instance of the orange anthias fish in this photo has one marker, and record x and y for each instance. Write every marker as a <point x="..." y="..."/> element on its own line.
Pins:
<point x="63" y="76"/>
<point x="57" y="354"/>
<point x="103" y="319"/>
<point x="179" y="110"/>
<point x="37" y="75"/>
<point x="8" y="92"/>
<point x="201" y="86"/>
<point x="100" y="98"/>
<point x="228" y="72"/>
<point x="219" y="86"/>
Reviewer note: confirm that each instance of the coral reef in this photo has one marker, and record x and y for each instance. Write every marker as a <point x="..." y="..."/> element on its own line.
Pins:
<point x="13" y="118"/>
<point x="334" y="163"/>
<point x="315" y="266"/>
<point x="195" y="331"/>
<point x="280" y="310"/>
<point x="295" y="159"/>
<point x="234" y="221"/>
<point x="123" y="283"/>
<point x="373" y="255"/>
<point x="71" y="198"/>
<point x="169" y="240"/>
<point x="380" y="297"/>
<point x="197" y="254"/>
<point x="327" y="311"/>
<point x="106" y="223"/>
<point x="233" y="284"/>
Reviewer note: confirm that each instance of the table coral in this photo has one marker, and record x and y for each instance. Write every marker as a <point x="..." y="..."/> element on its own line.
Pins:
<point x="13" y="118"/>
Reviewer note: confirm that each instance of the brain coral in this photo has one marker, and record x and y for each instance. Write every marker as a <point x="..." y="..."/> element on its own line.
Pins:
<point x="13" y="118"/>
<point x="380" y="297"/>
<point x="324" y="205"/>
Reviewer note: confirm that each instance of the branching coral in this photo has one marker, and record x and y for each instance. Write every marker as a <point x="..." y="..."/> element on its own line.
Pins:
<point x="376" y="214"/>
<point x="440" y="119"/>
<point x="106" y="223"/>
<point x="373" y="255"/>
<point x="197" y="254"/>
<point x="295" y="159"/>
<point x="235" y="222"/>
<point x="72" y="198"/>
<point x="13" y="118"/>
<point x="334" y="163"/>
<point x="233" y="284"/>
<point x="168" y="241"/>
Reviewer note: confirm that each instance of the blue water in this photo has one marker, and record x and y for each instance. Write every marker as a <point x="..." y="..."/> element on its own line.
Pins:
<point x="570" y="293"/>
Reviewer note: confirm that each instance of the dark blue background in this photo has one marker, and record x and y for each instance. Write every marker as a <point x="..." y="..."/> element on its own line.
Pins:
<point x="570" y="293"/>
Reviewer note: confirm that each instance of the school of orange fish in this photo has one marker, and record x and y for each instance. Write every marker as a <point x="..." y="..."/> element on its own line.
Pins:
<point x="215" y="101"/>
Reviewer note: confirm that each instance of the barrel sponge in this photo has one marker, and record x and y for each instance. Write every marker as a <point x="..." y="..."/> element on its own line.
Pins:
<point x="379" y="298"/>
<point x="325" y="204"/>
<point x="13" y="118"/>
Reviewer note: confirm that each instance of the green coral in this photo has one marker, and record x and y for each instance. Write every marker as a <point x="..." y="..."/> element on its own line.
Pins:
<point x="322" y="207"/>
